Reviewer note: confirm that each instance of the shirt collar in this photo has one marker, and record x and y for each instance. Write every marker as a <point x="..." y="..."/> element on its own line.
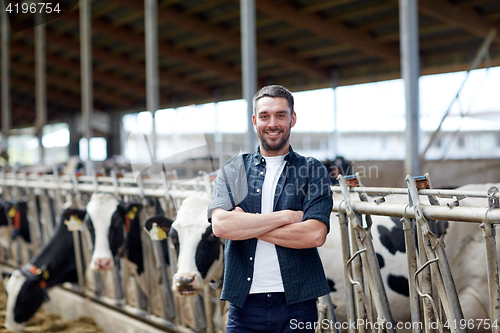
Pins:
<point x="258" y="158"/>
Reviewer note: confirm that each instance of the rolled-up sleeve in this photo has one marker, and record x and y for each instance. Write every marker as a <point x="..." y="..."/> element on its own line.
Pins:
<point x="230" y="187"/>
<point x="318" y="201"/>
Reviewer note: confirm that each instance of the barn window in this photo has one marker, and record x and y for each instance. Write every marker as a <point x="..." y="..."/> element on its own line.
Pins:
<point x="97" y="149"/>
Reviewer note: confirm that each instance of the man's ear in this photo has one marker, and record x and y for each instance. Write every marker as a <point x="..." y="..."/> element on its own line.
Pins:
<point x="254" y="120"/>
<point x="294" y="119"/>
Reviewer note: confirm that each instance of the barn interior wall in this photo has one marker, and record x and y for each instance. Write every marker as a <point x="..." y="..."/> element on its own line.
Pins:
<point x="443" y="174"/>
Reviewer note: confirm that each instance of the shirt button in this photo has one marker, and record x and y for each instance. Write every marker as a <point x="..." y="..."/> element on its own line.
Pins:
<point x="258" y="190"/>
<point x="262" y="172"/>
<point x="257" y="163"/>
<point x="251" y="258"/>
<point x="262" y="159"/>
<point x="269" y="295"/>
<point x="248" y="279"/>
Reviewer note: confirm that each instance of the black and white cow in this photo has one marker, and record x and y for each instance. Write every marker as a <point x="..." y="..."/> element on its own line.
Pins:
<point x="53" y="265"/>
<point x="5" y="229"/>
<point x="199" y="251"/>
<point x="18" y="211"/>
<point x="467" y="257"/>
<point x="109" y="222"/>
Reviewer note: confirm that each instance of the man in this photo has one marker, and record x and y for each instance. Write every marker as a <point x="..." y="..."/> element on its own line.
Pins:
<point x="273" y="207"/>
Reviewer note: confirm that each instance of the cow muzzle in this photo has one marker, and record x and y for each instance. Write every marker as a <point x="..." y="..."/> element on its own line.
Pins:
<point x="102" y="264"/>
<point x="187" y="285"/>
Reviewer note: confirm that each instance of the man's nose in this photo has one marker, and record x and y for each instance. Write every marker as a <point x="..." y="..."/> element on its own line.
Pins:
<point x="273" y="122"/>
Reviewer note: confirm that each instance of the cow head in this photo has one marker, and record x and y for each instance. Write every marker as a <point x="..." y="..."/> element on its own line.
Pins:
<point x="26" y="293"/>
<point x="54" y="264"/>
<point x="199" y="251"/>
<point x="108" y="221"/>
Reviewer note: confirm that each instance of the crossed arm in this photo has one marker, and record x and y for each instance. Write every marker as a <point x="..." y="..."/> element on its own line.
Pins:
<point x="284" y="228"/>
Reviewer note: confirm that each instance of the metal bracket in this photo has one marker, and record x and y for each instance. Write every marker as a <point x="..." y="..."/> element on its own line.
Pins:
<point x="419" y="215"/>
<point x="347" y="201"/>
<point x="351" y="180"/>
<point x="493" y="200"/>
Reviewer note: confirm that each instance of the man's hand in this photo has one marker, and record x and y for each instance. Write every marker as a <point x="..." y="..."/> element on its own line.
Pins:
<point x="295" y="215"/>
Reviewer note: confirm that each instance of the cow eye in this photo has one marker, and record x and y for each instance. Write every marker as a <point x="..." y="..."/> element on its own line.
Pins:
<point x="88" y="223"/>
<point x="173" y="234"/>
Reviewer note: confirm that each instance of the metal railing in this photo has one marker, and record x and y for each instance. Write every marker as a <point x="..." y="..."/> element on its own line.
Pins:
<point x="428" y="252"/>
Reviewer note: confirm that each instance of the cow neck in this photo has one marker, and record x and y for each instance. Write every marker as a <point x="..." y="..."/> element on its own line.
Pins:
<point x="215" y="269"/>
<point x="121" y="249"/>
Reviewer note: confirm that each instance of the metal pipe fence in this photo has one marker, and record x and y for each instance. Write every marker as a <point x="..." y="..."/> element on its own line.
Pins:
<point x="152" y="295"/>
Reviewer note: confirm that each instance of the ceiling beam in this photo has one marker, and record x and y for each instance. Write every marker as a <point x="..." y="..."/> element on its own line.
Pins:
<point x="129" y="37"/>
<point x="324" y="5"/>
<point x="469" y="20"/>
<point x="72" y="68"/>
<point x="331" y="30"/>
<point x="57" y="97"/>
<point x="122" y="64"/>
<point x="225" y="37"/>
<point x="448" y="13"/>
<point x="68" y="84"/>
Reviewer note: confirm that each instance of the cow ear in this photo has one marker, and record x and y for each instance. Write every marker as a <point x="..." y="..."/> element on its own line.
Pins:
<point x="136" y="206"/>
<point x="162" y="222"/>
<point x="70" y="211"/>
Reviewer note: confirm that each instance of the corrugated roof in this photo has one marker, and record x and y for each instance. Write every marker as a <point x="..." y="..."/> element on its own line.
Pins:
<point x="299" y="42"/>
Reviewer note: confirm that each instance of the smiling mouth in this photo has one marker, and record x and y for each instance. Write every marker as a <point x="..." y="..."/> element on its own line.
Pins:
<point x="273" y="134"/>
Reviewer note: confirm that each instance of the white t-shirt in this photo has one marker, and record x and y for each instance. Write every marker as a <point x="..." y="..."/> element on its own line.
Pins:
<point x="267" y="273"/>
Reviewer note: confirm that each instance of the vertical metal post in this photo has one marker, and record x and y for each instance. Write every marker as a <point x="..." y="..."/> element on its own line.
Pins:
<point x="492" y="259"/>
<point x="41" y="82"/>
<point x="218" y="144"/>
<point x="74" y="136"/>
<point x="152" y="71"/>
<point x="425" y="282"/>
<point x="114" y="142"/>
<point x="410" y="69"/>
<point x="346" y="254"/>
<point x="335" y="134"/>
<point x="6" y="105"/>
<point x="248" y="62"/>
<point x="86" y="73"/>
<point x="411" y="258"/>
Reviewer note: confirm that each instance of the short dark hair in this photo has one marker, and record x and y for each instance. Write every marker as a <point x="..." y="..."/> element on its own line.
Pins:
<point x="274" y="91"/>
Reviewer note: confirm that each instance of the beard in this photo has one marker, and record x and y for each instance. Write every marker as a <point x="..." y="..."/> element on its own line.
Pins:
<point x="274" y="146"/>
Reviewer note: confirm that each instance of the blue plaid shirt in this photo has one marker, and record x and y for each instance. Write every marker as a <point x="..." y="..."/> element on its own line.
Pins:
<point x="303" y="185"/>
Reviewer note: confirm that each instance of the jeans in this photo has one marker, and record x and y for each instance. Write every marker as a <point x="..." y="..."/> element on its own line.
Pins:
<point x="268" y="312"/>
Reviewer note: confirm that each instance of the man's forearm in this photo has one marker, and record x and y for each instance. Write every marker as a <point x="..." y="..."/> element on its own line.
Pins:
<point x="303" y="235"/>
<point x="238" y="225"/>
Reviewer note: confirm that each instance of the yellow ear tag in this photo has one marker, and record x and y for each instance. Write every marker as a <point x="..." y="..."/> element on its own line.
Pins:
<point x="73" y="223"/>
<point x="46" y="274"/>
<point x="12" y="211"/>
<point x="157" y="233"/>
<point x="162" y="234"/>
<point x="131" y="214"/>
